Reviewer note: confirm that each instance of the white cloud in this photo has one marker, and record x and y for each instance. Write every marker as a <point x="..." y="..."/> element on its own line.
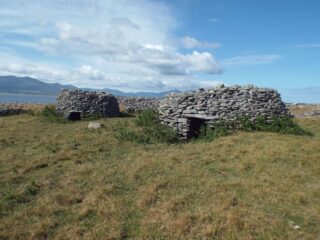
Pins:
<point x="16" y="66"/>
<point x="103" y="43"/>
<point x="154" y="46"/>
<point x="88" y="76"/>
<point x="90" y="72"/>
<point x="49" y="45"/>
<point x="173" y="63"/>
<point x="189" y="42"/>
<point x="69" y="32"/>
<point x="203" y="62"/>
<point x="251" y="59"/>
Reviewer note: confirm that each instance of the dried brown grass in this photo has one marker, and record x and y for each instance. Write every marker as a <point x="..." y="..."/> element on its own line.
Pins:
<point x="62" y="181"/>
<point x="300" y="109"/>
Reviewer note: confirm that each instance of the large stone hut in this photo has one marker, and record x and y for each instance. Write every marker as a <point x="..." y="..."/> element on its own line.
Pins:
<point x="87" y="103"/>
<point x="187" y="112"/>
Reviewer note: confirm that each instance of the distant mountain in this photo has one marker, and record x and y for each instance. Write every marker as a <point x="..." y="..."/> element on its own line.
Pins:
<point x="138" y="94"/>
<point x="13" y="84"/>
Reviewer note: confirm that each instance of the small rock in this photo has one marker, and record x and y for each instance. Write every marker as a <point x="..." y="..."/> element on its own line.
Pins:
<point x="296" y="227"/>
<point x="293" y="225"/>
<point x="94" y="125"/>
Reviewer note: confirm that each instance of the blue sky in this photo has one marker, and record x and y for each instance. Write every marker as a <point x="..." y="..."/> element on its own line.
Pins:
<point x="160" y="45"/>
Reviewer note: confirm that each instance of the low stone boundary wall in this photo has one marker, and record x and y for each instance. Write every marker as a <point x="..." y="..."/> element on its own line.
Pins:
<point x="8" y="112"/>
<point x="7" y="109"/>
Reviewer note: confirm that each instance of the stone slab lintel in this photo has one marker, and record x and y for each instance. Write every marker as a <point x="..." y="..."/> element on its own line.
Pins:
<point x="200" y="116"/>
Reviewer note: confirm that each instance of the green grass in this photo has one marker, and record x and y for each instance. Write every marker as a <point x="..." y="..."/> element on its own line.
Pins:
<point x="283" y="125"/>
<point x="65" y="181"/>
<point x="48" y="113"/>
<point x="146" y="129"/>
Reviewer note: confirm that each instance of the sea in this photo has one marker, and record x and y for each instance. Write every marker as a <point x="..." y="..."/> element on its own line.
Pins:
<point x="26" y="98"/>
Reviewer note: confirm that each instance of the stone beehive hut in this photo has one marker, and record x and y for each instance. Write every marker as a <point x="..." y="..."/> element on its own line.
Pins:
<point x="88" y="103"/>
<point x="187" y="112"/>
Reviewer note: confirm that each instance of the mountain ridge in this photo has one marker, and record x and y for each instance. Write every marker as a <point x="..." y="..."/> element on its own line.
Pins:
<point x="28" y="85"/>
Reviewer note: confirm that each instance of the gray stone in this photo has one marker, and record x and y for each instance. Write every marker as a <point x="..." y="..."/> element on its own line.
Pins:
<point x="189" y="111"/>
<point x="219" y="104"/>
<point x="135" y="104"/>
<point x="88" y="103"/>
<point x="94" y="125"/>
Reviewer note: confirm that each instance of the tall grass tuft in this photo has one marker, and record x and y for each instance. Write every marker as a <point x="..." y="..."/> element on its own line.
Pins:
<point x="283" y="125"/>
<point x="210" y="133"/>
<point x="147" y="129"/>
<point x="50" y="114"/>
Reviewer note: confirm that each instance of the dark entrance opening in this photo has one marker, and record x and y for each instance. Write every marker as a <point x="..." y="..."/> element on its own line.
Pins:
<point x="74" y="116"/>
<point x="195" y="125"/>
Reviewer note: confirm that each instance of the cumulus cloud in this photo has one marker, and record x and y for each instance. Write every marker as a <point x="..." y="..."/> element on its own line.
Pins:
<point x="90" y="72"/>
<point x="89" y="76"/>
<point x="251" y="59"/>
<point x="203" y="62"/>
<point x="103" y="43"/>
<point x="173" y="63"/>
<point x="189" y="42"/>
<point x="16" y="66"/>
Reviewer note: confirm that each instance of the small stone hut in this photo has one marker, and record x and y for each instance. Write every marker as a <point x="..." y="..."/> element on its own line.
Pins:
<point x="188" y="112"/>
<point x="87" y="103"/>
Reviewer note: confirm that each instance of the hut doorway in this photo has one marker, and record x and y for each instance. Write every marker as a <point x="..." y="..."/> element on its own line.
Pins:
<point x="74" y="115"/>
<point x="195" y="125"/>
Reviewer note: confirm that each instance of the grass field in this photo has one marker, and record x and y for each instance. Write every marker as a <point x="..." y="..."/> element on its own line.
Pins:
<point x="64" y="181"/>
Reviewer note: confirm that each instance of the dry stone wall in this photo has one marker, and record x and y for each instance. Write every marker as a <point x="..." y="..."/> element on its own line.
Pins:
<point x="7" y="110"/>
<point x="186" y="112"/>
<point x="134" y="104"/>
<point x="88" y="103"/>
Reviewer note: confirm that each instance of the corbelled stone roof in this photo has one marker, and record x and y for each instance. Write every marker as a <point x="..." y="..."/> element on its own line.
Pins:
<point x="219" y="104"/>
<point x="104" y="104"/>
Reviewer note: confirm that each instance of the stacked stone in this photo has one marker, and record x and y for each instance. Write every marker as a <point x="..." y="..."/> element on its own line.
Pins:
<point x="88" y="103"/>
<point x="219" y="104"/>
<point x="7" y="110"/>
<point x="134" y="104"/>
<point x="313" y="113"/>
